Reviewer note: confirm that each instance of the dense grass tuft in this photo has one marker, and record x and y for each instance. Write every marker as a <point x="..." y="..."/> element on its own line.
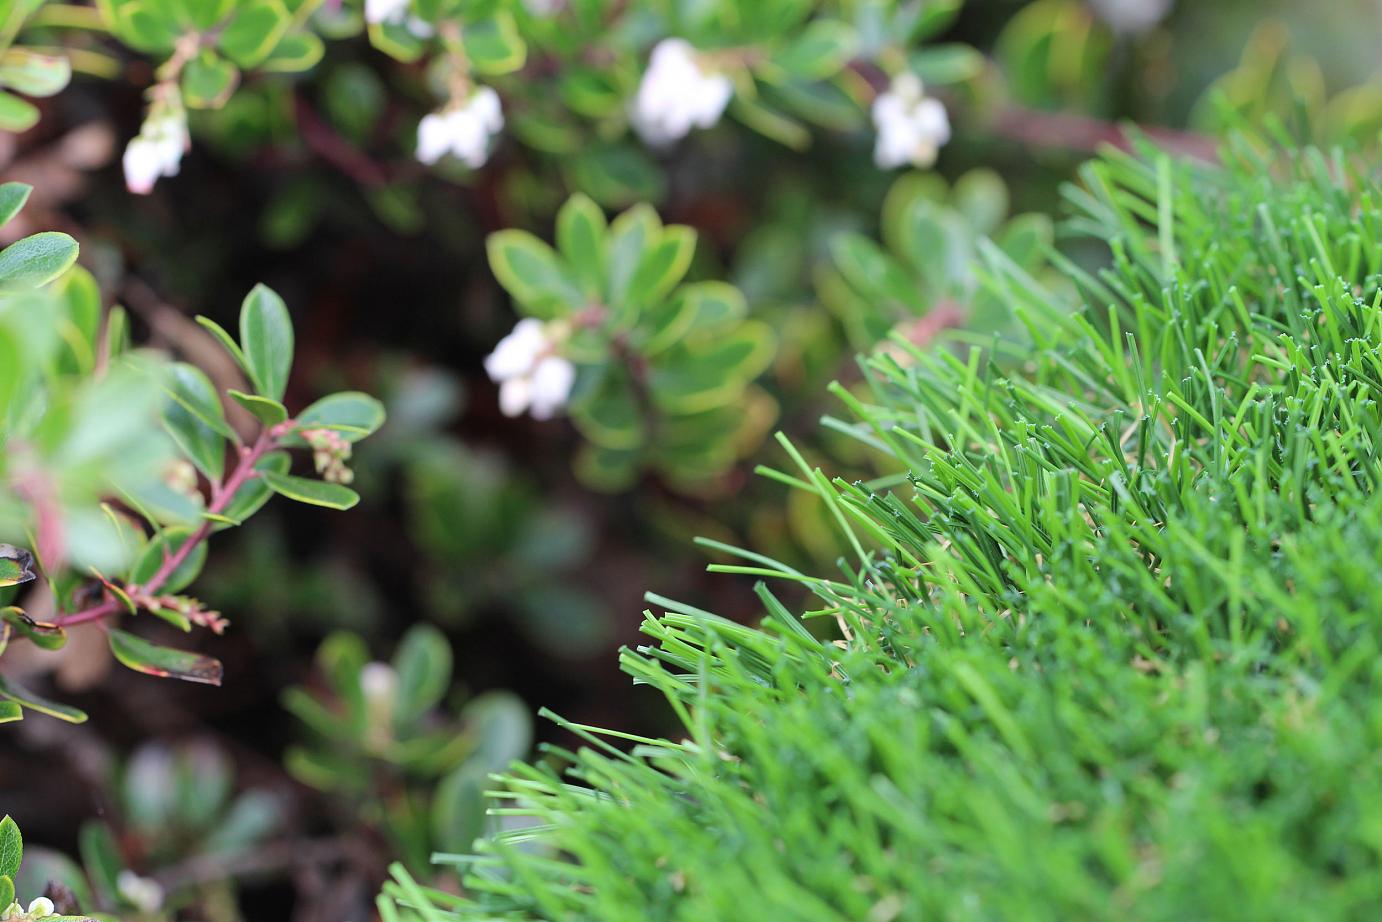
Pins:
<point x="1110" y="636"/>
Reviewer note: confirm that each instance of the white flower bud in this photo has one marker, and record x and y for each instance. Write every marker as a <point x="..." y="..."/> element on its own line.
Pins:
<point x="158" y="149"/>
<point x="41" y="907"/>
<point x="378" y="681"/>
<point x="378" y="12"/>
<point x="912" y="127"/>
<point x="141" y="892"/>
<point x="529" y="372"/>
<point x="464" y="130"/>
<point x="1131" y="16"/>
<point x="552" y="380"/>
<point x="676" y="94"/>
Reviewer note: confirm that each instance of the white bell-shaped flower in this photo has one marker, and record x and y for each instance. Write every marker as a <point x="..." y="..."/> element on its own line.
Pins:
<point x="157" y="150"/>
<point x="531" y="375"/>
<point x="463" y="131"/>
<point x="912" y="127"/>
<point x="378" y="12"/>
<point x="1131" y="16"/>
<point x="144" y="894"/>
<point x="677" y="94"/>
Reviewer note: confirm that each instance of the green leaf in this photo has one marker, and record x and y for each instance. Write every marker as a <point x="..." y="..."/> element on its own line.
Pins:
<point x="353" y="414"/>
<point x="11" y="848"/>
<point x="396" y="40"/>
<point x="458" y="808"/>
<point x="144" y="27"/>
<point x="16" y="692"/>
<point x="149" y="658"/>
<point x="494" y="46"/>
<point x="296" y="52"/>
<point x="821" y="50"/>
<point x="80" y="299"/>
<point x="36" y="260"/>
<point x="312" y="492"/>
<point x="423" y="665"/>
<point x="503" y="726"/>
<point x="629" y="237"/>
<point x="9" y="712"/>
<point x="269" y="412"/>
<point x="616" y="175"/>
<point x="16" y="566"/>
<point x="688" y="379"/>
<point x="717" y="306"/>
<point x="189" y="386"/>
<point x="982" y="197"/>
<point x="17" y="114"/>
<point x="932" y="18"/>
<point x="43" y="635"/>
<point x="6" y="884"/>
<point x="159" y="549"/>
<point x="203" y="445"/>
<point x="205" y="14"/>
<point x="208" y="81"/>
<point x="532" y="273"/>
<point x="266" y="334"/>
<point x="940" y="65"/>
<point x="254" y="493"/>
<point x="581" y="227"/>
<point x="663" y="265"/>
<point x="225" y="339"/>
<point x="771" y="123"/>
<point x="13" y="195"/>
<point x="33" y="73"/>
<point x="99" y="851"/>
<point x="873" y="273"/>
<point x="610" y="415"/>
<point x="255" y="31"/>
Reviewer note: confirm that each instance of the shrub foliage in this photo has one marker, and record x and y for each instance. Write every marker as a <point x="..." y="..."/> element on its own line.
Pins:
<point x="1104" y="641"/>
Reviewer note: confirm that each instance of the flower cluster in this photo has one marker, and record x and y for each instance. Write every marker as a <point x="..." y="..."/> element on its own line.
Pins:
<point x="38" y="909"/>
<point x="462" y="130"/>
<point x="912" y="126"/>
<point x="158" y="149"/>
<point x="531" y="375"/>
<point x="678" y="94"/>
<point x="330" y="452"/>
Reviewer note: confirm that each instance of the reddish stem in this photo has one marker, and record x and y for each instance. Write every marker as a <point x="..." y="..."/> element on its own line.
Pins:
<point x="1086" y="135"/>
<point x="221" y="496"/>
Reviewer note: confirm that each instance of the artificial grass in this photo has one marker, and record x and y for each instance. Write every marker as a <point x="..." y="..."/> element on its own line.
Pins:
<point x="1108" y="643"/>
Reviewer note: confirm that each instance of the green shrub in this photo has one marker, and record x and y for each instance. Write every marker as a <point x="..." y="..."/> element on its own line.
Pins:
<point x="1105" y="646"/>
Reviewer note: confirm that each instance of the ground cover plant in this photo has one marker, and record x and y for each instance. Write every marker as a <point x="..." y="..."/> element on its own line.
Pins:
<point x="569" y="265"/>
<point x="1103" y="644"/>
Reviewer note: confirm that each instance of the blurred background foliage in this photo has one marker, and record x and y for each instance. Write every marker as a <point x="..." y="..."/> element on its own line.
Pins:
<point x="382" y="661"/>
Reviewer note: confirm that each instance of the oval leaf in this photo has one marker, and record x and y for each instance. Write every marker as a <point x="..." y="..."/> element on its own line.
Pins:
<point x="16" y="565"/>
<point x="312" y="492"/>
<point x="149" y="658"/>
<point x="16" y="692"/>
<point x="36" y="260"/>
<point x="266" y="335"/>
<point x="353" y="414"/>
